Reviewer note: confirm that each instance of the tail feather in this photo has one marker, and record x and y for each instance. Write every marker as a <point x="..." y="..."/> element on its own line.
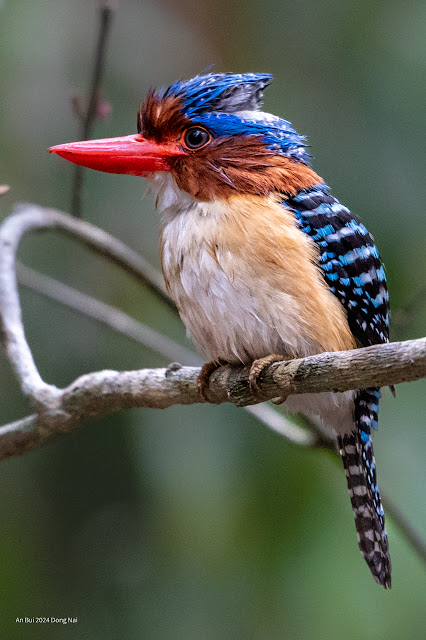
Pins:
<point x="356" y="450"/>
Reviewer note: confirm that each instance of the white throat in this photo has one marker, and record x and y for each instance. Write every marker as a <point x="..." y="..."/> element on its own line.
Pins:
<point x="169" y="198"/>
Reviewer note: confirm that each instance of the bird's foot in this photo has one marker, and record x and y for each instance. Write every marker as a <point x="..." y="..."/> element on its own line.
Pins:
<point x="204" y="378"/>
<point x="255" y="375"/>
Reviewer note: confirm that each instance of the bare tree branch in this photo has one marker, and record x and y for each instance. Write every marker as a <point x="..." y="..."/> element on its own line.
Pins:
<point x="60" y="411"/>
<point x="99" y="393"/>
<point x="136" y="266"/>
<point x="12" y="230"/>
<point x="103" y="392"/>
<point x="136" y="331"/>
<point x="378" y="365"/>
<point x="105" y="17"/>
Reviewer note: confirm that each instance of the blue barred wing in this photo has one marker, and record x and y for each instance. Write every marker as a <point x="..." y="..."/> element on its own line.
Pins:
<point x="349" y="261"/>
<point x="352" y="268"/>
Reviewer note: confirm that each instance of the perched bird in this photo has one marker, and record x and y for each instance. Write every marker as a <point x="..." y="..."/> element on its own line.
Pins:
<point x="262" y="261"/>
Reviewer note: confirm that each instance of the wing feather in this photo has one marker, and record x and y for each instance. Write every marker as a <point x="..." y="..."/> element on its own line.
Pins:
<point x="349" y="261"/>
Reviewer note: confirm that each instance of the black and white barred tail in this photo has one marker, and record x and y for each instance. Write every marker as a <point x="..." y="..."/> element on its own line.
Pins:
<point x="356" y="450"/>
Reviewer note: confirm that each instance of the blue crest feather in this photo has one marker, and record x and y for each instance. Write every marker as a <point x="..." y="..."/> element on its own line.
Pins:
<point x="225" y="92"/>
<point x="229" y="104"/>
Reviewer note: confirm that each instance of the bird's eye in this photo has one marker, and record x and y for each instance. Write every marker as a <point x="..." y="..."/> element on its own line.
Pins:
<point x="196" y="138"/>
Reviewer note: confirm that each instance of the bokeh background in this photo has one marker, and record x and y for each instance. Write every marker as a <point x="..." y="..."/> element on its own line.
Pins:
<point x="197" y="522"/>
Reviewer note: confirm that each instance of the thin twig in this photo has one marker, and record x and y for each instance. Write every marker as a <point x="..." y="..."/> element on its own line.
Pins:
<point x="412" y="536"/>
<point x="105" y="16"/>
<point x="29" y="217"/>
<point x="277" y="422"/>
<point x="106" y="314"/>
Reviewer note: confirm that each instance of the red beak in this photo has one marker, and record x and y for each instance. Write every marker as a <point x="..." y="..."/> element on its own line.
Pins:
<point x="129" y="154"/>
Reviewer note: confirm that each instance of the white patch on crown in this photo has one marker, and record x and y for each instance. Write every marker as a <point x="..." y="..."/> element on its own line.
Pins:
<point x="259" y="117"/>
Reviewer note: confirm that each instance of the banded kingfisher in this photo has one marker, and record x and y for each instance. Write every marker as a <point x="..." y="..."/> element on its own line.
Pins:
<point x="262" y="261"/>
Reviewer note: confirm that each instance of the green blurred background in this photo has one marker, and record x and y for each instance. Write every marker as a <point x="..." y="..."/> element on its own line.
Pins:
<point x="197" y="522"/>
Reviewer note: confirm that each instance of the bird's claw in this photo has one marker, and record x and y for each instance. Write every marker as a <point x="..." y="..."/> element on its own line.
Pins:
<point x="203" y="379"/>
<point x="256" y="370"/>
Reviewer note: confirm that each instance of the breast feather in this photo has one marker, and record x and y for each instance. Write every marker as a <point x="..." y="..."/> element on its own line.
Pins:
<point x="246" y="281"/>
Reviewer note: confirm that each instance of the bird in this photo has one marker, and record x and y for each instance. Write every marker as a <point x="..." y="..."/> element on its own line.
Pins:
<point x="263" y="263"/>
